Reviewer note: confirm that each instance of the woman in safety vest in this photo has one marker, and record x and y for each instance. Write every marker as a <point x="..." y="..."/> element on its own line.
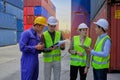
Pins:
<point x="79" y="60"/>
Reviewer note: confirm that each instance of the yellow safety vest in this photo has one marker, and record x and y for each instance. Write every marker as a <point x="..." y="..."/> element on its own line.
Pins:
<point x="77" y="60"/>
<point x="54" y="55"/>
<point x="100" y="62"/>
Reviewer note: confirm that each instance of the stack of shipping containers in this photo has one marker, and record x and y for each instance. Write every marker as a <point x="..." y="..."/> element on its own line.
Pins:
<point x="110" y="10"/>
<point x="12" y="15"/>
<point x="35" y="8"/>
<point x="11" y="21"/>
<point x="80" y="13"/>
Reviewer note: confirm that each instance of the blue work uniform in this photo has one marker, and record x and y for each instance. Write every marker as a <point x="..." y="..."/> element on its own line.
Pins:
<point x="29" y="60"/>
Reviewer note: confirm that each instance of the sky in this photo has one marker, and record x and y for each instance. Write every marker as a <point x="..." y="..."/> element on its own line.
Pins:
<point x="63" y="13"/>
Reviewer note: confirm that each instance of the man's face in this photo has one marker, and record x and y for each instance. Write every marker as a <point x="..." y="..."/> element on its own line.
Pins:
<point x="39" y="28"/>
<point x="51" y="28"/>
<point x="97" y="30"/>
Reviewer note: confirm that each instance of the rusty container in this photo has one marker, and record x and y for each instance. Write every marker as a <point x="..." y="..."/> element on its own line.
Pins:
<point x="115" y="37"/>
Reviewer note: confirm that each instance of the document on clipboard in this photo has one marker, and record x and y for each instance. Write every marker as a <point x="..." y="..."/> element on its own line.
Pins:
<point x="61" y="42"/>
<point x="83" y="46"/>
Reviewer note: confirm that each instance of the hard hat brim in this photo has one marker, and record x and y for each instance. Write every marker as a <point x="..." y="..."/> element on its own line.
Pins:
<point x="52" y="23"/>
<point x="45" y="24"/>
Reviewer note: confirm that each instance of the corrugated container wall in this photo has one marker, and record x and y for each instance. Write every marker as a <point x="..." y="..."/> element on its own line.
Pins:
<point x="35" y="8"/>
<point x="40" y="11"/>
<point x="115" y="36"/>
<point x="111" y="12"/>
<point x="18" y="3"/>
<point x="2" y="6"/>
<point x="8" y="37"/>
<point x="95" y="7"/>
<point x="43" y="3"/>
<point x="11" y="21"/>
<point x="14" y="11"/>
<point x="80" y="13"/>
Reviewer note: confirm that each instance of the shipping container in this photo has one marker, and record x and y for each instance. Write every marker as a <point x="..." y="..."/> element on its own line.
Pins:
<point x="48" y="8"/>
<point x="81" y="5"/>
<point x="29" y="19"/>
<point x="51" y="5"/>
<point x="115" y="37"/>
<point x="76" y="20"/>
<point x="28" y="11"/>
<point x="19" y="25"/>
<point x="7" y="21"/>
<point x="41" y="8"/>
<point x="2" y="6"/>
<point x="27" y="27"/>
<point x="32" y="3"/>
<point x="14" y="11"/>
<point x="8" y="37"/>
<point x="79" y="14"/>
<point x="18" y="3"/>
<point x="95" y="7"/>
<point x="18" y="35"/>
<point x="40" y="11"/>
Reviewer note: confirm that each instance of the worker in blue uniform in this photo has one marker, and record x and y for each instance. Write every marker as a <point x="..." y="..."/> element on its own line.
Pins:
<point x="30" y="46"/>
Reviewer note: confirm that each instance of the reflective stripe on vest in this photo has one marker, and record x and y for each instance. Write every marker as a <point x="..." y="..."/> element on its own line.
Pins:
<point x="49" y="55"/>
<point x="100" y="62"/>
<point x="77" y="60"/>
<point x="54" y="55"/>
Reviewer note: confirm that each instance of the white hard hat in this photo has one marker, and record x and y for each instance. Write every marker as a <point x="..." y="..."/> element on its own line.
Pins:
<point x="82" y="25"/>
<point x="102" y="23"/>
<point x="52" y="21"/>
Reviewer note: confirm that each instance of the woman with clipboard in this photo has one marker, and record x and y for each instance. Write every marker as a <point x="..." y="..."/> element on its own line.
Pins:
<point x="79" y="60"/>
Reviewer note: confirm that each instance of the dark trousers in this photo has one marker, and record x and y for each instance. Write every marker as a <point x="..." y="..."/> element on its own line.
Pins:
<point x="74" y="71"/>
<point x="100" y="74"/>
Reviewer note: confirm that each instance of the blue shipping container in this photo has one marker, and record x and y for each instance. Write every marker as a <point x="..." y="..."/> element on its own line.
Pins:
<point x="8" y="37"/>
<point x="14" y="11"/>
<point x="19" y="25"/>
<point x="7" y="21"/>
<point x="1" y="6"/>
<point x="81" y="5"/>
<point x="18" y="35"/>
<point x="40" y="11"/>
<point x="17" y="3"/>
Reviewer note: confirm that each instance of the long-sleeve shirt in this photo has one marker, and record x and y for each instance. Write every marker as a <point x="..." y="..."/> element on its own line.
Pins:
<point x="106" y="47"/>
<point x="29" y="39"/>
